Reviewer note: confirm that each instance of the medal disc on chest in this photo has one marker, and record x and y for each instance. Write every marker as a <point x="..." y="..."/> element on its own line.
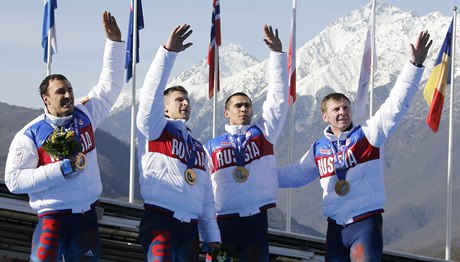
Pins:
<point x="190" y="176"/>
<point x="240" y="174"/>
<point x="80" y="161"/>
<point x="342" y="187"/>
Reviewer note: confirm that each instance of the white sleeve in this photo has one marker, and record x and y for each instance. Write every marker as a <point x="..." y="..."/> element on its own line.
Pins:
<point x="391" y="113"/>
<point x="300" y="173"/>
<point x="150" y="116"/>
<point x="275" y="107"/>
<point x="21" y="172"/>
<point x="207" y="223"/>
<point x="103" y="95"/>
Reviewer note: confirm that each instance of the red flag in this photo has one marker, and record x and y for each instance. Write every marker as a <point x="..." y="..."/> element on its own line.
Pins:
<point x="213" y="51"/>
<point x="435" y="88"/>
<point x="291" y="56"/>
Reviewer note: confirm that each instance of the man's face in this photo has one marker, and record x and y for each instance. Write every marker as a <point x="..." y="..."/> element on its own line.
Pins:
<point x="59" y="98"/>
<point x="177" y="105"/>
<point x="239" y="110"/>
<point x="338" y="115"/>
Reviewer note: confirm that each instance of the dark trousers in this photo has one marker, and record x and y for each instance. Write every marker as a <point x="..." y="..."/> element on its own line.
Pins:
<point x="165" y="238"/>
<point x="74" y="237"/>
<point x="246" y="235"/>
<point x="359" y="241"/>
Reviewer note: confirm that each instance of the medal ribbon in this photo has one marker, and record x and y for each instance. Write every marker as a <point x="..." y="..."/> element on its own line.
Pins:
<point x="239" y="147"/>
<point x="339" y="167"/>
<point x="76" y="129"/>
<point x="190" y="154"/>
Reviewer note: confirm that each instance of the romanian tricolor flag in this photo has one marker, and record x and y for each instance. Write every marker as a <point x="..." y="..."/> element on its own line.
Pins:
<point x="435" y="88"/>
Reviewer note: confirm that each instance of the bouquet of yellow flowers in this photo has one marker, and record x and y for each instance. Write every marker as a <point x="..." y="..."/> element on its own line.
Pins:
<point x="62" y="144"/>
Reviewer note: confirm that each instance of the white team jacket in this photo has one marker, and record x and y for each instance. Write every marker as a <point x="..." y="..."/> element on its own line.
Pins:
<point x="362" y="157"/>
<point x="162" y="156"/>
<point x="30" y="170"/>
<point x="260" y="190"/>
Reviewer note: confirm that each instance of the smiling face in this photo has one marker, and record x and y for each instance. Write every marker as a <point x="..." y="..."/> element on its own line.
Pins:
<point x="238" y="110"/>
<point x="337" y="113"/>
<point x="59" y="97"/>
<point x="177" y="105"/>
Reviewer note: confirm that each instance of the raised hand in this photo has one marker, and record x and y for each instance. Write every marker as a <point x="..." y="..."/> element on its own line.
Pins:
<point x="272" y="40"/>
<point x="111" y="28"/>
<point x="420" y="50"/>
<point x="178" y="36"/>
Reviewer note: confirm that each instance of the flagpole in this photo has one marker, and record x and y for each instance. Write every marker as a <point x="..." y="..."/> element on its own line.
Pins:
<point x="289" y="190"/>
<point x="292" y="46"/>
<point x="216" y="85"/>
<point x="132" y="154"/>
<point x="371" y="80"/>
<point x="48" y="60"/>
<point x="449" y="157"/>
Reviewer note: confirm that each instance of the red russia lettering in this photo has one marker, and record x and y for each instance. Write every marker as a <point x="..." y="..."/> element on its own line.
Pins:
<point x="178" y="149"/>
<point x="49" y="239"/>
<point x="326" y="164"/>
<point x="160" y="247"/>
<point x="227" y="155"/>
<point x="86" y="141"/>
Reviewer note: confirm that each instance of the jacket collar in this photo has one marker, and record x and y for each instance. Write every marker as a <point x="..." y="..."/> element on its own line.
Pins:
<point x="237" y="129"/>
<point x="342" y="135"/>
<point x="58" y="121"/>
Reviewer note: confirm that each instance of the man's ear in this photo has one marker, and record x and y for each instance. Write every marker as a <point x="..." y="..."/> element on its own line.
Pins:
<point x="226" y="114"/>
<point x="325" y="118"/>
<point x="45" y="99"/>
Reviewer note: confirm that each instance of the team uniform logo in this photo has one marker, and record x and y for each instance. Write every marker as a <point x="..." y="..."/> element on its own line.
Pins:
<point x="238" y="152"/>
<point x="331" y="161"/>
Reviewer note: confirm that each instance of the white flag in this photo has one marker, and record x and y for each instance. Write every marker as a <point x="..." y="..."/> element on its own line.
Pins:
<point x="366" y="70"/>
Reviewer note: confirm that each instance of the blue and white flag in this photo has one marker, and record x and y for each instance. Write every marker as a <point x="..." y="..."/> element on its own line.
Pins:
<point x="129" y="46"/>
<point x="49" y="29"/>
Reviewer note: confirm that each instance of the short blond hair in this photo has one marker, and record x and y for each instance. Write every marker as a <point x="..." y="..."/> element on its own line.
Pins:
<point x="333" y="97"/>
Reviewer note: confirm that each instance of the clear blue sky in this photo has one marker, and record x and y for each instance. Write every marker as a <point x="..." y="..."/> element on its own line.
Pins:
<point x="81" y="37"/>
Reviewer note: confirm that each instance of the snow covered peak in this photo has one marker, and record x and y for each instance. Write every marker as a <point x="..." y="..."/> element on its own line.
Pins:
<point x="232" y="59"/>
<point x="124" y="101"/>
<point x="332" y="59"/>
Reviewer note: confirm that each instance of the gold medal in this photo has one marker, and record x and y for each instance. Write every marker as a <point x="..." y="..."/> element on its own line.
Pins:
<point x="342" y="187"/>
<point x="240" y="174"/>
<point x="80" y="161"/>
<point x="190" y="176"/>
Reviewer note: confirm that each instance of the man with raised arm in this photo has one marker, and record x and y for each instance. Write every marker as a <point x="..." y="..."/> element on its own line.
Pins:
<point x="243" y="162"/>
<point x="64" y="183"/>
<point x="174" y="180"/>
<point x="348" y="160"/>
